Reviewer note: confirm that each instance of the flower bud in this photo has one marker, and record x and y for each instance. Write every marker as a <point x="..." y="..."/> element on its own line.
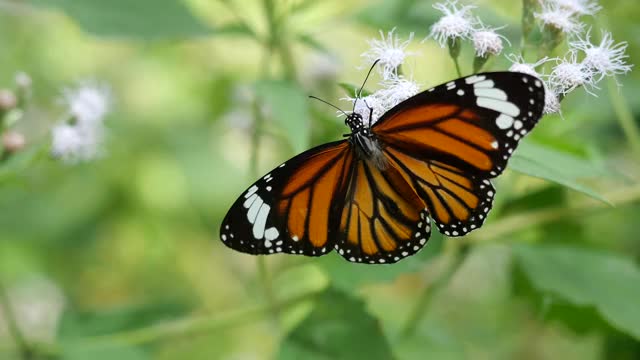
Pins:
<point x="8" y="100"/>
<point x="13" y="141"/>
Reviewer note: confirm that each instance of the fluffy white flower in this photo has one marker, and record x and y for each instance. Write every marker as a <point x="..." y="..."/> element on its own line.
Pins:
<point x="559" y="18"/>
<point x="80" y="139"/>
<point x="89" y="102"/>
<point x="457" y="22"/>
<point x="395" y="91"/>
<point x="520" y="65"/>
<point x="578" y="7"/>
<point x="551" y="101"/>
<point x="391" y="52"/>
<point x="364" y="105"/>
<point x="606" y="59"/>
<point x="487" y="41"/>
<point x="569" y="74"/>
<point x="73" y="144"/>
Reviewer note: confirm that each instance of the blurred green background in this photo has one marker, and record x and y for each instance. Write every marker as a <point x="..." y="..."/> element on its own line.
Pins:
<point x="119" y="258"/>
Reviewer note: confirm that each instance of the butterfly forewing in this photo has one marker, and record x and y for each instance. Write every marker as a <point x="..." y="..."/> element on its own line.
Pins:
<point x="292" y="209"/>
<point x="447" y="142"/>
<point x="473" y="123"/>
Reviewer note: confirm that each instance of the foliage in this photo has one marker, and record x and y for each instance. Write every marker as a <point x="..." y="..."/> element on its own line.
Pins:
<point x="119" y="257"/>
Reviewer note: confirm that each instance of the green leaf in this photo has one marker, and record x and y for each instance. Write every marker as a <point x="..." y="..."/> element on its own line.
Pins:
<point x="347" y="275"/>
<point x="238" y="28"/>
<point x="144" y="19"/>
<point x="352" y="90"/>
<point x="289" y="109"/>
<point x="587" y="278"/>
<point x="339" y="327"/>
<point x="561" y="168"/>
<point x="18" y="163"/>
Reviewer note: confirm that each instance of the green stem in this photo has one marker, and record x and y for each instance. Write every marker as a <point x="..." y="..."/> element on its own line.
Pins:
<point x="262" y="269"/>
<point x="528" y="23"/>
<point x="506" y="226"/>
<point x="624" y="116"/>
<point x="184" y="328"/>
<point x="528" y="219"/>
<point x="12" y="323"/>
<point x="458" y="255"/>
<point x="454" y="52"/>
<point x="272" y="44"/>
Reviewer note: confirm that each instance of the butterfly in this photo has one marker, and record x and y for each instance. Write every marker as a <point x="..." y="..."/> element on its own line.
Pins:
<point x="374" y="196"/>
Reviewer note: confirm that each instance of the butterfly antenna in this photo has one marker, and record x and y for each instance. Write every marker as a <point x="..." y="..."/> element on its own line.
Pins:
<point x="328" y="103"/>
<point x="359" y="94"/>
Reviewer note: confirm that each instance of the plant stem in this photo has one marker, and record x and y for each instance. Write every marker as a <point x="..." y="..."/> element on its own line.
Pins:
<point x="528" y="219"/>
<point x="624" y="116"/>
<point x="458" y="255"/>
<point x="183" y="328"/>
<point x="454" y="52"/>
<point x="528" y="23"/>
<point x="263" y="272"/>
<point x="12" y="324"/>
<point x="504" y="227"/>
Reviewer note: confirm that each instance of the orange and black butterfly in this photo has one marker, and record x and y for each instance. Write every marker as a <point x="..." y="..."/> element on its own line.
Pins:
<point x="372" y="196"/>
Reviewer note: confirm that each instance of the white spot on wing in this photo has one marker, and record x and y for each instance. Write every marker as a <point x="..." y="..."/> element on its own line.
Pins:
<point x="474" y="79"/>
<point x="261" y="221"/>
<point x="484" y="84"/>
<point x="250" y="192"/>
<point x="504" y="107"/>
<point x="249" y="201"/>
<point x="271" y="234"/>
<point x="504" y="121"/>
<point x="491" y="93"/>
<point x="253" y="210"/>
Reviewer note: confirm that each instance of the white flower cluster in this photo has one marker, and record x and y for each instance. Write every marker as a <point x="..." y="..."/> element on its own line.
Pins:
<point x="80" y="138"/>
<point x="564" y="15"/>
<point x="390" y="52"/>
<point x="584" y="65"/>
<point x="569" y="73"/>
<point x="457" y="23"/>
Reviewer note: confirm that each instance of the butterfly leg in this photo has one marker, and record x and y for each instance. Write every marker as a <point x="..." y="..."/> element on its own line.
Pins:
<point x="370" y="111"/>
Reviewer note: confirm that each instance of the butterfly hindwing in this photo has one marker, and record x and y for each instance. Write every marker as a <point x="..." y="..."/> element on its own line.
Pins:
<point x="448" y="141"/>
<point x="292" y="208"/>
<point x="457" y="202"/>
<point x="473" y="124"/>
<point x="383" y="220"/>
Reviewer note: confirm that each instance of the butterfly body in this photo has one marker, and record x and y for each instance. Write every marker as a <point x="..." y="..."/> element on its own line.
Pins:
<point x="367" y="147"/>
<point x="371" y="197"/>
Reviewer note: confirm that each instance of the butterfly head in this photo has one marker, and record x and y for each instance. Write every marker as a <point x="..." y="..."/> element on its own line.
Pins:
<point x="355" y="122"/>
